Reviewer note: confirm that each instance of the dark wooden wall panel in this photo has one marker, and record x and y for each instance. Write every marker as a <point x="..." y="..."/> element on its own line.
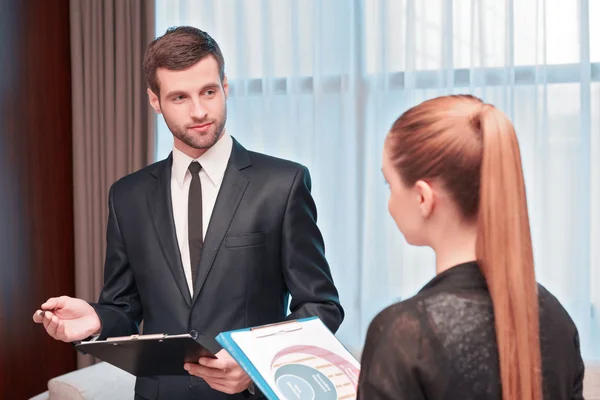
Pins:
<point x="36" y="190"/>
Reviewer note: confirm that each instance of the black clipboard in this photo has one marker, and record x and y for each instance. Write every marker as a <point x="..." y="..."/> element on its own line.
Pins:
<point x="152" y="355"/>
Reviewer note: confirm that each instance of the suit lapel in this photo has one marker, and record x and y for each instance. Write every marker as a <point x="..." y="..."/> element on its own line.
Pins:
<point x="159" y="202"/>
<point x="232" y="190"/>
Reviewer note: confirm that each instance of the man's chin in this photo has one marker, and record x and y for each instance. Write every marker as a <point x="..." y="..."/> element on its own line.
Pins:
<point x="198" y="140"/>
<point x="206" y="142"/>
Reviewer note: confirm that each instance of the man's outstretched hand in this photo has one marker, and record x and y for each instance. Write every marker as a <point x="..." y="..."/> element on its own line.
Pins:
<point x="68" y="319"/>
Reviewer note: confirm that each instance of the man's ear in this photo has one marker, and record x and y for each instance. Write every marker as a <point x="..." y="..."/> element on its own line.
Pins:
<point x="426" y="198"/>
<point x="154" y="101"/>
<point x="225" y="86"/>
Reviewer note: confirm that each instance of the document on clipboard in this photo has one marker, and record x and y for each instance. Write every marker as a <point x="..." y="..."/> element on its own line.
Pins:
<point x="295" y="360"/>
<point x="153" y="354"/>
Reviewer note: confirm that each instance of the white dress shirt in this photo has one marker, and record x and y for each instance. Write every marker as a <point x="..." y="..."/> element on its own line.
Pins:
<point x="213" y="162"/>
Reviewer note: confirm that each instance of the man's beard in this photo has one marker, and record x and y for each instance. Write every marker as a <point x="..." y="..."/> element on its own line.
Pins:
<point x="199" y="141"/>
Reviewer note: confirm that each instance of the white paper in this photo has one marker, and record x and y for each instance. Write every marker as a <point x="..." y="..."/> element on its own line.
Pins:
<point x="302" y="364"/>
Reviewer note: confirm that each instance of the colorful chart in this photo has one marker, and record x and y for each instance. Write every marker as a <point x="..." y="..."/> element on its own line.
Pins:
<point x="313" y="373"/>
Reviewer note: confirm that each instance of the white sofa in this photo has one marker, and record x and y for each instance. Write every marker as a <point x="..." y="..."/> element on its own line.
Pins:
<point x="591" y="382"/>
<point x="97" y="382"/>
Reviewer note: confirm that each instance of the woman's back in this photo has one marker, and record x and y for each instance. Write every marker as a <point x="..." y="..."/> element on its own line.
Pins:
<point x="478" y="330"/>
<point x="441" y="344"/>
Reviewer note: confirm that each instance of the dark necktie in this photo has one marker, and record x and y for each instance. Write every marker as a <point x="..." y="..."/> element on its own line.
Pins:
<point x="195" y="219"/>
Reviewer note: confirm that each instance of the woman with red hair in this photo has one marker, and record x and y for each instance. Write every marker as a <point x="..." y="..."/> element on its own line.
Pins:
<point x="483" y="328"/>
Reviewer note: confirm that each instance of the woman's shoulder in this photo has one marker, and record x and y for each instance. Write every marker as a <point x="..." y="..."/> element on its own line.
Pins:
<point x="391" y="353"/>
<point x="552" y="311"/>
<point x="401" y="318"/>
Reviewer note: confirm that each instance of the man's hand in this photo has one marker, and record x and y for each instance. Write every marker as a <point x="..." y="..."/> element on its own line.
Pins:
<point x="68" y="319"/>
<point x="221" y="373"/>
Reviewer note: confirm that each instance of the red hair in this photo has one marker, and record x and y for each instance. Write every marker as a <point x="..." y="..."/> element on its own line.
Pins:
<point x="472" y="148"/>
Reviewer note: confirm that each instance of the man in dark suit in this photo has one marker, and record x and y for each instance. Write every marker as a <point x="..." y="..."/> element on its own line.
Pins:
<point x="211" y="239"/>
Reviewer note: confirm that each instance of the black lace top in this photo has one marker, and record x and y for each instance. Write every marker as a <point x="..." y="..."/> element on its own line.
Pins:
<point x="441" y="344"/>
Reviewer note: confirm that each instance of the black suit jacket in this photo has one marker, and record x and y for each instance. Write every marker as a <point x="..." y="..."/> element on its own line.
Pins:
<point x="262" y="245"/>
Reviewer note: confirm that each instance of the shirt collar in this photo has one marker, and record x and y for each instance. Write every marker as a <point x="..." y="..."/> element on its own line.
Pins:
<point x="214" y="161"/>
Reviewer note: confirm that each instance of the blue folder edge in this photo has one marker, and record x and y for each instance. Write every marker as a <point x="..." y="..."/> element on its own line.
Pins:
<point x="236" y="352"/>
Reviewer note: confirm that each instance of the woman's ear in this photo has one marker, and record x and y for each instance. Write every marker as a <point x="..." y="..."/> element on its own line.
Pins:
<point x="425" y="198"/>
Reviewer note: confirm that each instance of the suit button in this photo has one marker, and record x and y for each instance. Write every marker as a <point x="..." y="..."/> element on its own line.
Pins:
<point x="194" y="334"/>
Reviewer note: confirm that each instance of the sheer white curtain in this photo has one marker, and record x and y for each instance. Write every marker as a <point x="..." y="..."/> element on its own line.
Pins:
<point x="320" y="82"/>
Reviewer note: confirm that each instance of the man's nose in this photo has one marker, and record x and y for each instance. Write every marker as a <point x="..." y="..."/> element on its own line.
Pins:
<point x="198" y="111"/>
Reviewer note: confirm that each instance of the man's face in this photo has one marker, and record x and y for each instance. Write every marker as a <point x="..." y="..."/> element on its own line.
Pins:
<point x="193" y="104"/>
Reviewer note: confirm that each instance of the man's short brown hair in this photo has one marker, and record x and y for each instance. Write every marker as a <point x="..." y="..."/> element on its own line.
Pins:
<point x="179" y="48"/>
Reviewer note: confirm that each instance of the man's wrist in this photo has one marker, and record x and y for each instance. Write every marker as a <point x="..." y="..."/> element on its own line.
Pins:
<point x="97" y="328"/>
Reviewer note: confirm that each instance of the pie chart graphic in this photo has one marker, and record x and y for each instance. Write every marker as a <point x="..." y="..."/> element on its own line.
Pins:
<point x="314" y="373"/>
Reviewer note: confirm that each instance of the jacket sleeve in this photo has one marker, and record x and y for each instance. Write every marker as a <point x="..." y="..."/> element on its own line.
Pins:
<point x="305" y="269"/>
<point x="119" y="306"/>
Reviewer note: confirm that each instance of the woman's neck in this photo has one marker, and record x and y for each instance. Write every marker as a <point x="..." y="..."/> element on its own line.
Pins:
<point x="455" y="247"/>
